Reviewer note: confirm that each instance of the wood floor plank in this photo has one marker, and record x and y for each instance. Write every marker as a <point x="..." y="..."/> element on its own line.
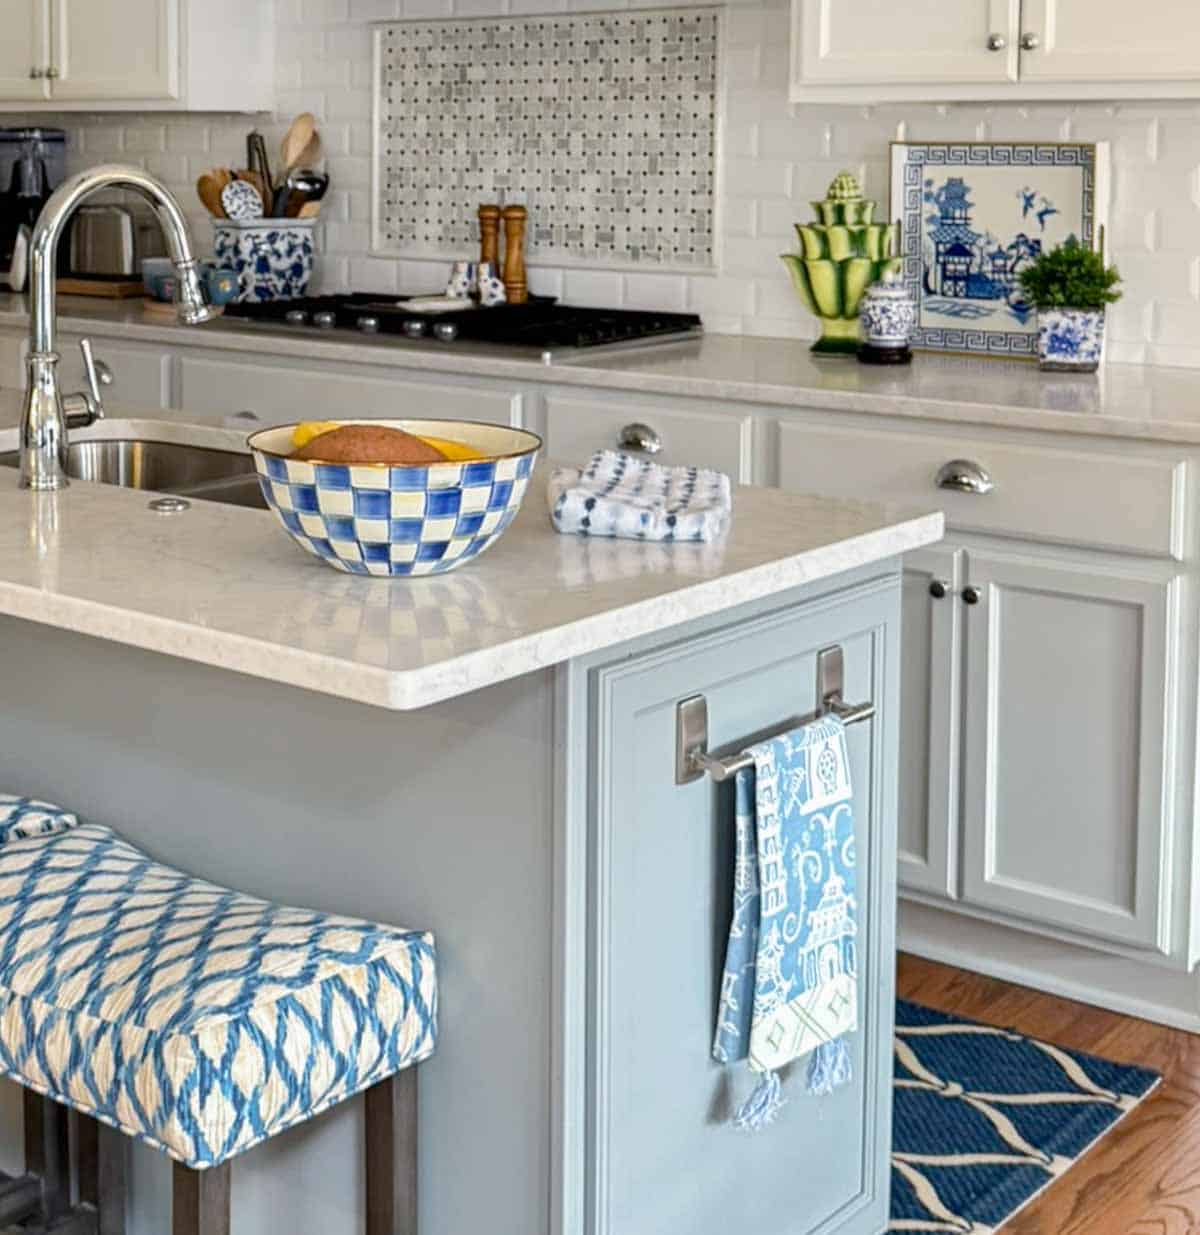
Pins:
<point x="1143" y="1177"/>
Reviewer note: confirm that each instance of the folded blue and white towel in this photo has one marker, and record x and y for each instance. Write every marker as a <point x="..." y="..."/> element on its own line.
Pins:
<point x="790" y="986"/>
<point x="618" y="494"/>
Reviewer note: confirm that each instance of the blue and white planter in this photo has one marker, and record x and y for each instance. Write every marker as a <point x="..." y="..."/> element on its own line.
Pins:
<point x="1070" y="340"/>
<point x="273" y="257"/>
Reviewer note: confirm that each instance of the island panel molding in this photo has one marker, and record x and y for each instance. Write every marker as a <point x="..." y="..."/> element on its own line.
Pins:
<point x="604" y="125"/>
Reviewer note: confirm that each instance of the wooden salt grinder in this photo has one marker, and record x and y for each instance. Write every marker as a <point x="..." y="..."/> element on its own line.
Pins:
<point x="489" y="236"/>
<point x="515" y="282"/>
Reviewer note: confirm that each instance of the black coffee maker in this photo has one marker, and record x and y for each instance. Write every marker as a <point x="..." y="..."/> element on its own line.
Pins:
<point x="32" y="165"/>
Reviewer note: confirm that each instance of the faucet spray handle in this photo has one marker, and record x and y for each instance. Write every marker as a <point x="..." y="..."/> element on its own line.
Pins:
<point x="98" y="374"/>
<point x="87" y="407"/>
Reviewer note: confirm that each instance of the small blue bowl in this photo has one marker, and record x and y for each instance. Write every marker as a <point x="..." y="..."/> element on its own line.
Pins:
<point x="422" y="519"/>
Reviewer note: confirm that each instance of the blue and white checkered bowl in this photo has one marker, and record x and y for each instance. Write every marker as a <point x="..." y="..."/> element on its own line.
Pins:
<point x="417" y="520"/>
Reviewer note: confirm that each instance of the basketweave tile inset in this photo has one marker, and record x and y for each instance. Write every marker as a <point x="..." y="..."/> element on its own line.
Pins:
<point x="602" y="124"/>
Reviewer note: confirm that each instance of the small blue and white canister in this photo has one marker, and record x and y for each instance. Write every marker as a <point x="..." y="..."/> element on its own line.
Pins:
<point x="272" y="258"/>
<point x="1070" y="340"/>
<point x="889" y="318"/>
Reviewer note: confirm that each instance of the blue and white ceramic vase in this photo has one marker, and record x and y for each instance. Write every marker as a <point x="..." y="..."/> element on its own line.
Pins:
<point x="888" y="317"/>
<point x="1070" y="340"/>
<point x="272" y="257"/>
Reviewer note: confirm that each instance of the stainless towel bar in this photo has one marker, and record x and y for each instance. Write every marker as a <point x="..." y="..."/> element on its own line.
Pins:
<point x="692" y="760"/>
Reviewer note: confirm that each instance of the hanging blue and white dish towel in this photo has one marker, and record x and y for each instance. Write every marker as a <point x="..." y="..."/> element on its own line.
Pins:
<point x="618" y="494"/>
<point x="790" y="986"/>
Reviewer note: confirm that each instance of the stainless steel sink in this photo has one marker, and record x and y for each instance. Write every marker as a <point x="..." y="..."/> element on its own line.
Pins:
<point x="164" y="467"/>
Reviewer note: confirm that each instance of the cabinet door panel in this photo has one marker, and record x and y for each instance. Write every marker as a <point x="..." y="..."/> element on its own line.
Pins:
<point x="1111" y="40"/>
<point x="1068" y="733"/>
<point x="930" y="686"/>
<point x="865" y="42"/>
<point x="664" y="1157"/>
<point x="23" y="48"/>
<point x="116" y="49"/>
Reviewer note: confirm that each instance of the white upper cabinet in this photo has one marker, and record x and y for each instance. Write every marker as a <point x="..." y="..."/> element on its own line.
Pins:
<point x="162" y="55"/>
<point x="870" y="41"/>
<point x="23" y="52"/>
<point x="935" y="50"/>
<point x="1111" y="41"/>
<point x="116" y="49"/>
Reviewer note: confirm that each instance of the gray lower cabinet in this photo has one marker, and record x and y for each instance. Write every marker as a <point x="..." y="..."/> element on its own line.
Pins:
<point x="663" y="1156"/>
<point x="1036" y="764"/>
<point x="1067" y="813"/>
<point x="930" y="732"/>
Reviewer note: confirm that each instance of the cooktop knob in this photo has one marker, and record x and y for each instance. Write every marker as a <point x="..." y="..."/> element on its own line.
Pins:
<point x="325" y="319"/>
<point x="295" y="317"/>
<point x="414" y="328"/>
<point x="368" y="324"/>
<point x="446" y="331"/>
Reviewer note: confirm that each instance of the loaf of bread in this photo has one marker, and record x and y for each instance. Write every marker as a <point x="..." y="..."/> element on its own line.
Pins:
<point x="365" y="444"/>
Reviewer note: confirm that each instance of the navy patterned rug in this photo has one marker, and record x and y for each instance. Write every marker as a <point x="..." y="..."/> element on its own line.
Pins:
<point x="985" y="1119"/>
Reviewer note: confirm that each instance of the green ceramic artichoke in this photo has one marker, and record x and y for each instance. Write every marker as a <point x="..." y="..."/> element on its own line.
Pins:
<point x="841" y="255"/>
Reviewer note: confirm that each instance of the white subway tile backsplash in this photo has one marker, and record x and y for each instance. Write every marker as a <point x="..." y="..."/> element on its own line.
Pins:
<point x="592" y="287"/>
<point x="777" y="156"/>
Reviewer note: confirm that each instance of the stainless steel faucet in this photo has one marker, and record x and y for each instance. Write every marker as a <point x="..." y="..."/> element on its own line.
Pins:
<point x="45" y="419"/>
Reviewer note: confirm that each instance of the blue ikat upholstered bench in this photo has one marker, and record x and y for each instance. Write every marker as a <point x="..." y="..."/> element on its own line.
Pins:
<point x="199" y="1020"/>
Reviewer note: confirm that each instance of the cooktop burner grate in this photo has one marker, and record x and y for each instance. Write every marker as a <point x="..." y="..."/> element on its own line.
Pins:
<point x="540" y="323"/>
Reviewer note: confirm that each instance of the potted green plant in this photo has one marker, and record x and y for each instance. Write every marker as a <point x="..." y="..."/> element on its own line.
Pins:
<point x="1070" y="286"/>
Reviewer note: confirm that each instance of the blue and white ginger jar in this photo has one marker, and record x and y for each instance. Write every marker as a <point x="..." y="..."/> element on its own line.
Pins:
<point x="888" y="317"/>
<point x="1070" y="340"/>
<point x="273" y="257"/>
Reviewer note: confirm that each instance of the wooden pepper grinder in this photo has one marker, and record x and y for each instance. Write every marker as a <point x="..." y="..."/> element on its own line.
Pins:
<point x="515" y="282"/>
<point x="489" y="236"/>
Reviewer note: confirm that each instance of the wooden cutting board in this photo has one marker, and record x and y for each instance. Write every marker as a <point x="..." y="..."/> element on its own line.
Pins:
<point x="112" y="286"/>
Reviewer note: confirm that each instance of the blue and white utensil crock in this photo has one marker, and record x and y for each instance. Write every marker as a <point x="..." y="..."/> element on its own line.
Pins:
<point x="1070" y="340"/>
<point x="272" y="257"/>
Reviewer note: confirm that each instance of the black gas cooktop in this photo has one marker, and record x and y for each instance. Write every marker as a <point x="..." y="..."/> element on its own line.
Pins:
<point x="541" y="324"/>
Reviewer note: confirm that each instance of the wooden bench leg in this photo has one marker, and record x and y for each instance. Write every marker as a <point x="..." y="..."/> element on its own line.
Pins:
<point x="102" y="1176"/>
<point x="200" y="1201"/>
<point x="391" y="1108"/>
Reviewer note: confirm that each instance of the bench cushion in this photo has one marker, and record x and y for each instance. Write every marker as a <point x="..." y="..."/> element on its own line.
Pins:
<point x="22" y="817"/>
<point x="195" y="1018"/>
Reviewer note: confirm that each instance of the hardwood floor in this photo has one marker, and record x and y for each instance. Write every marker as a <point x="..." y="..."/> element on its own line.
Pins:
<point x="1143" y="1178"/>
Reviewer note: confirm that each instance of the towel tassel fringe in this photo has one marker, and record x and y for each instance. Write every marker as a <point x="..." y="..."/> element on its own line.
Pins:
<point x="829" y="1067"/>
<point x="762" y="1107"/>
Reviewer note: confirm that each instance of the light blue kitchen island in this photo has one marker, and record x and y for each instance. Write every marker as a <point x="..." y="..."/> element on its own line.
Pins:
<point x="491" y="755"/>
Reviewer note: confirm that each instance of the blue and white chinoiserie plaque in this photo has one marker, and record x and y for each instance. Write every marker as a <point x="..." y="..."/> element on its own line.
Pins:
<point x="972" y="215"/>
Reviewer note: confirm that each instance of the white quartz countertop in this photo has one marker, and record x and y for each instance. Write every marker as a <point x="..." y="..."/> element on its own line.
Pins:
<point x="226" y="586"/>
<point x="1142" y="402"/>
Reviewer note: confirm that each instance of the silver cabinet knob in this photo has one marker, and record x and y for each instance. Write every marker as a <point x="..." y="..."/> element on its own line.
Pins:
<point x="939" y="589"/>
<point x="639" y="437"/>
<point x="1030" y="42"/>
<point x="35" y="73"/>
<point x="51" y="72"/>
<point x="964" y="476"/>
<point x="997" y="42"/>
<point x="972" y="595"/>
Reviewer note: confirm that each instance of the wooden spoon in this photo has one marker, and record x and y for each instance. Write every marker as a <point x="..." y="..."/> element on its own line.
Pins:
<point x="209" y="188"/>
<point x="312" y="154"/>
<point x="301" y="132"/>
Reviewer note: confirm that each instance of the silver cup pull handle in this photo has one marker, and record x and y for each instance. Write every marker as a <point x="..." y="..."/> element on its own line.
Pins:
<point x="641" y="438"/>
<point x="964" y="476"/>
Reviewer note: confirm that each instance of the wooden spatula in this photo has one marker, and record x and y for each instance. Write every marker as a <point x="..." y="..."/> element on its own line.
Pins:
<point x="298" y="136"/>
<point x="208" y="188"/>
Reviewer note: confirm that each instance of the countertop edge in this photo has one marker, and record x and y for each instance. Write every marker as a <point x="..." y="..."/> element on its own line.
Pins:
<point x="606" y="373"/>
<point x="409" y="690"/>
